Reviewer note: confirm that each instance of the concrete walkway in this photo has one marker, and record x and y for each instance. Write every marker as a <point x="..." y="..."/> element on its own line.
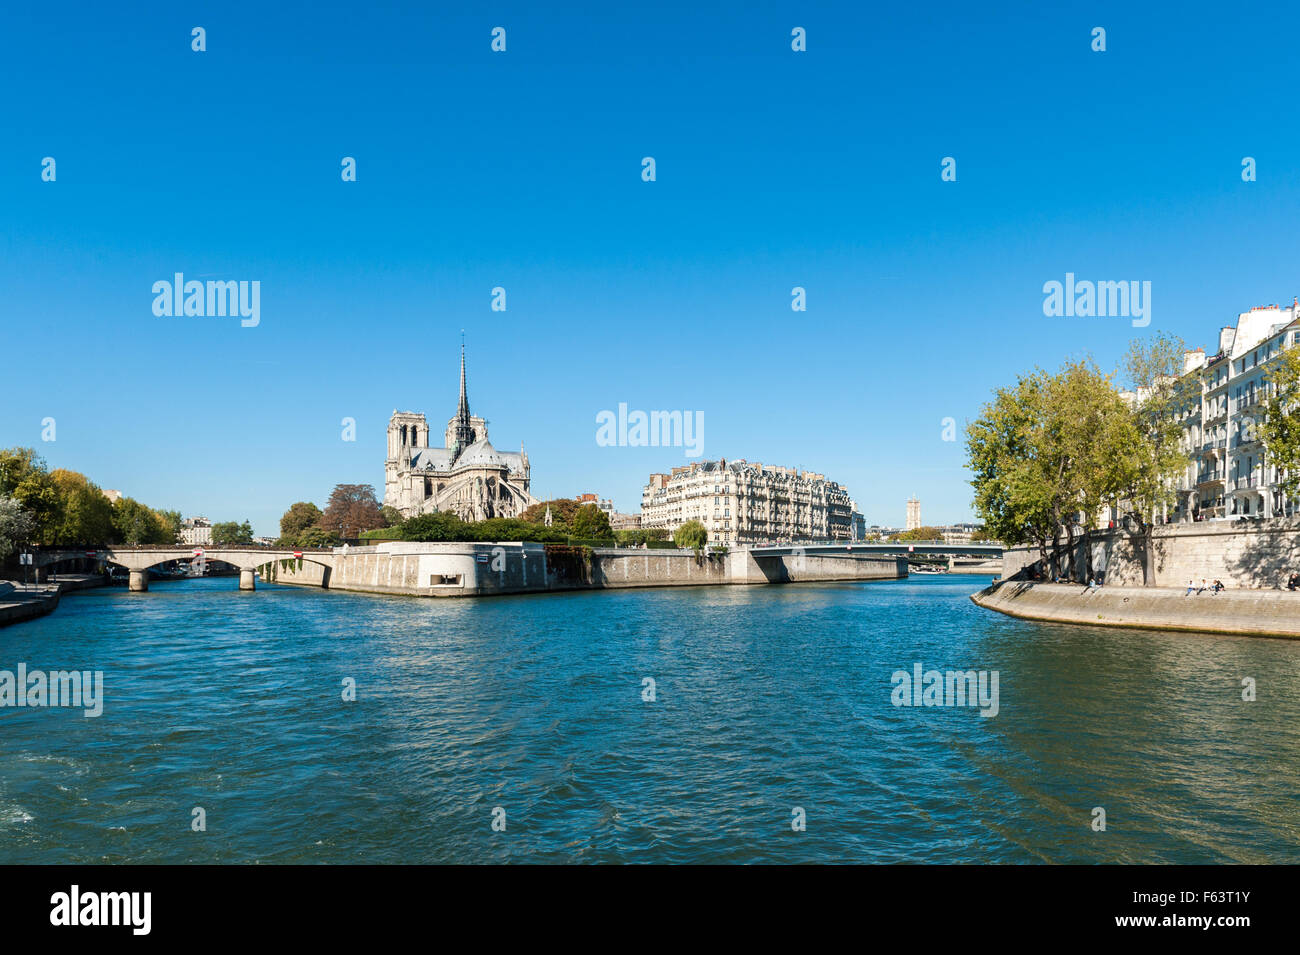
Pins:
<point x="1256" y="613"/>
<point x="20" y="602"/>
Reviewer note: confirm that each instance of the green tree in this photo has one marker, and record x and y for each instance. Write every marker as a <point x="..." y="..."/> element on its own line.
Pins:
<point x="1003" y="447"/>
<point x="633" y="536"/>
<point x="1280" y="428"/>
<point x="437" y="526"/>
<point x="171" y="523"/>
<point x="920" y="534"/>
<point x="1094" y="429"/>
<point x="316" y="536"/>
<point x="229" y="533"/>
<point x="591" y="523"/>
<point x="1153" y="459"/>
<point x="85" y="514"/>
<point x="692" y="534"/>
<point x="24" y="477"/>
<point x="134" y="523"/>
<point x="296" y="520"/>
<point x="1047" y="454"/>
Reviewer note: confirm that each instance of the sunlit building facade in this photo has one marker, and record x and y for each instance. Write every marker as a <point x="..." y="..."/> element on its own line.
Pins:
<point x="743" y="502"/>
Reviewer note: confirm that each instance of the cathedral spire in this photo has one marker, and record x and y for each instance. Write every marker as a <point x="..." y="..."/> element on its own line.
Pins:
<point x="462" y="410"/>
<point x="464" y="428"/>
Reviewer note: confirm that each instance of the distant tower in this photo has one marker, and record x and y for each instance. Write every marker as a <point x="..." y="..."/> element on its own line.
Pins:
<point x="548" y="520"/>
<point x="913" y="514"/>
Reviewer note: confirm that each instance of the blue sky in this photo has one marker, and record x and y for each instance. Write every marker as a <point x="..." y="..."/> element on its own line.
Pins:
<point x="522" y="170"/>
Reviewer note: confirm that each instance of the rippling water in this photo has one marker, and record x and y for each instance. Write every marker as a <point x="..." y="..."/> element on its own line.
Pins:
<point x="768" y="698"/>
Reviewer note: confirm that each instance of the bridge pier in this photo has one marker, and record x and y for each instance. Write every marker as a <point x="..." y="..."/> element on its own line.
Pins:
<point x="247" y="579"/>
<point x="139" y="581"/>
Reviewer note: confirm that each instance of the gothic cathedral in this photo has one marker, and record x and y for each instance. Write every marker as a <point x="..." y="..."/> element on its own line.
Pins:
<point x="466" y="475"/>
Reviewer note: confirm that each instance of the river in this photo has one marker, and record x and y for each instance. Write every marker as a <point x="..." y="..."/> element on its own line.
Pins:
<point x="530" y="711"/>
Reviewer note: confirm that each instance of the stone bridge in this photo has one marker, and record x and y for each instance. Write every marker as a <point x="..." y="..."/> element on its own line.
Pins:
<point x="138" y="560"/>
<point x="989" y="549"/>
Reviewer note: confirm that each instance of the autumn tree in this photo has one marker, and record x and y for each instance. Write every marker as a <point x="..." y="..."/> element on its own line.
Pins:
<point x="563" y="511"/>
<point x="351" y="509"/>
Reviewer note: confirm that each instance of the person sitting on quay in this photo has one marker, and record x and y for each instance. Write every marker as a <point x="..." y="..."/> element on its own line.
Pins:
<point x="1294" y="582"/>
<point x="1216" y="587"/>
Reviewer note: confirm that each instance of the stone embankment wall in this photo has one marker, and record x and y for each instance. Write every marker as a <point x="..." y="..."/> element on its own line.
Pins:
<point x="1241" y="554"/>
<point x="18" y="603"/>
<point x="473" y="569"/>
<point x="1244" y="612"/>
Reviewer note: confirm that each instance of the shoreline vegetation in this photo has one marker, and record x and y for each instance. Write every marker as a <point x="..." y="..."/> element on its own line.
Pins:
<point x="1053" y="454"/>
<point x="1061" y="456"/>
<point x="1086" y="475"/>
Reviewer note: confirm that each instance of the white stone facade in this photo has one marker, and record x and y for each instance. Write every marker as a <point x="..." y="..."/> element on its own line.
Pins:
<point x="739" y="502"/>
<point x="196" y="531"/>
<point x="1229" y="475"/>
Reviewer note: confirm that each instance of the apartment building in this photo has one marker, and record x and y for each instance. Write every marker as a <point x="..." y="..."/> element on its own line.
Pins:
<point x="743" y="502"/>
<point x="1229" y="475"/>
<point x="196" y="531"/>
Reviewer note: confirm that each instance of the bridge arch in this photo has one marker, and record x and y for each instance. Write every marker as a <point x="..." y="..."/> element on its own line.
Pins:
<point x="137" y="561"/>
